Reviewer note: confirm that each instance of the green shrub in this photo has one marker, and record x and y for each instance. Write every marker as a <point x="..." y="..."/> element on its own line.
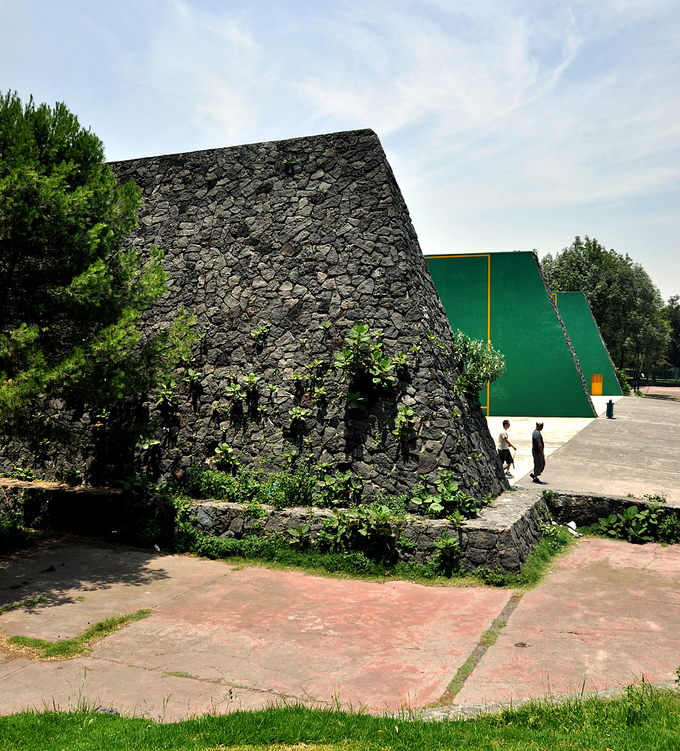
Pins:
<point x="12" y="534"/>
<point x="448" y="500"/>
<point x="640" y="525"/>
<point x="291" y="489"/>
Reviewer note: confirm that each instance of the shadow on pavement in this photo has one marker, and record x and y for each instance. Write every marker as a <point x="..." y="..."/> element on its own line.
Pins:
<point x="63" y="568"/>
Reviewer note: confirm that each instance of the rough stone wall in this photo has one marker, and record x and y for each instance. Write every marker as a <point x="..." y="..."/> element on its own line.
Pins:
<point x="278" y="249"/>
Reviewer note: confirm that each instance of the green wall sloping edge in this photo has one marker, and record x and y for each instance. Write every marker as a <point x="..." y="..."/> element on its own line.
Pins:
<point x="503" y="295"/>
<point x="587" y="341"/>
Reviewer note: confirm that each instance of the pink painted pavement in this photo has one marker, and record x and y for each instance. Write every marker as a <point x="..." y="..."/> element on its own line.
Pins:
<point x="607" y="616"/>
<point x="221" y="638"/>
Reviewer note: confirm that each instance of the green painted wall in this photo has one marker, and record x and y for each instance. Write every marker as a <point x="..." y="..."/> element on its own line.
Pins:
<point x="587" y="341"/>
<point x="503" y="295"/>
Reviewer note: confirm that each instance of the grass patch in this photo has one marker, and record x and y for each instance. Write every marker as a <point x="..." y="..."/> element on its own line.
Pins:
<point x="642" y="718"/>
<point x="489" y="637"/>
<point x="30" y="602"/>
<point x="79" y="645"/>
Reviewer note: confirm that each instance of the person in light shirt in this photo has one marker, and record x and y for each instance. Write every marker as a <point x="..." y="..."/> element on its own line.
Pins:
<point x="503" y="446"/>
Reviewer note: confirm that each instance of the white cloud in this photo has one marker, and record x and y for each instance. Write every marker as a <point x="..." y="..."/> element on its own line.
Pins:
<point x="511" y="114"/>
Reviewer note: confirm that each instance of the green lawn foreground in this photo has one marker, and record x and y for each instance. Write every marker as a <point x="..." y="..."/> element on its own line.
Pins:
<point x="642" y="718"/>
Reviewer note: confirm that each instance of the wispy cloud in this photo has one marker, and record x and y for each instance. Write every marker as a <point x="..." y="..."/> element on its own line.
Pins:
<point x="508" y="122"/>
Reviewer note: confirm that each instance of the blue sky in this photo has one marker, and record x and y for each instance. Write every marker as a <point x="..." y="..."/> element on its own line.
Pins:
<point x="510" y="125"/>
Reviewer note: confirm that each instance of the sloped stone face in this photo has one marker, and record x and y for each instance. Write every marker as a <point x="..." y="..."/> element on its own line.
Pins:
<point x="278" y="249"/>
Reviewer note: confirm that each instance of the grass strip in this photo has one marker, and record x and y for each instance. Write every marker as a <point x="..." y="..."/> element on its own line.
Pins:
<point x="642" y="718"/>
<point x="487" y="639"/>
<point x="24" y="604"/>
<point x="66" y="649"/>
<point x="274" y="551"/>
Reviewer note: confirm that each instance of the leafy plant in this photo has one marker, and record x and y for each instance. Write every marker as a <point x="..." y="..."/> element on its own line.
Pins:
<point x="250" y="382"/>
<point x="166" y="393"/>
<point x="22" y="473"/>
<point x="655" y="498"/>
<point x="259" y="333"/>
<point x="447" y="557"/>
<point x="448" y="500"/>
<point x="292" y="489"/>
<point x="356" y="400"/>
<point x="339" y="489"/>
<point x="480" y="361"/>
<point x="254" y="510"/>
<point x="367" y="529"/>
<point x="299" y="414"/>
<point x="225" y="458"/>
<point x="236" y="397"/>
<point x="363" y="361"/>
<point x="300" y="536"/>
<point x="554" y="536"/>
<point x="404" y="421"/>
<point x="649" y="524"/>
<point x="491" y="576"/>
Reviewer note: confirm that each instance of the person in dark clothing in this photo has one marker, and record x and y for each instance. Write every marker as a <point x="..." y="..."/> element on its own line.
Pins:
<point x="538" y="453"/>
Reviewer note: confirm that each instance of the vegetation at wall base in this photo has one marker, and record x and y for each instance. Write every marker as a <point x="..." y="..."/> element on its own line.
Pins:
<point x="639" y="525"/>
<point x="14" y="536"/>
<point x="642" y="718"/>
<point x="377" y="563"/>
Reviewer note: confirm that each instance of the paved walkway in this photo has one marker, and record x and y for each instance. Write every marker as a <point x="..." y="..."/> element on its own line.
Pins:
<point x="221" y="638"/>
<point x="635" y="453"/>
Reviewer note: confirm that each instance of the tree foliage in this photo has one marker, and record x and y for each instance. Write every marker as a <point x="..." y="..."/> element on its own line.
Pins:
<point x="627" y="306"/>
<point x="70" y="293"/>
<point x="481" y="363"/>
<point x="673" y="318"/>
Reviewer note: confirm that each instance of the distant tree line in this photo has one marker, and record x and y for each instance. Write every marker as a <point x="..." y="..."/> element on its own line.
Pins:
<point x="641" y="331"/>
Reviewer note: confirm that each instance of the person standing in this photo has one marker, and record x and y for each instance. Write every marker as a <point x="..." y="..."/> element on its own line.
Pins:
<point x="538" y="453"/>
<point x="503" y="447"/>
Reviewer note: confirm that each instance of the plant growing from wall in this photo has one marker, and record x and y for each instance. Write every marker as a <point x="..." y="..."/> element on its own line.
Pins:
<point x="364" y="364"/>
<point x="404" y="422"/>
<point x="481" y="363"/>
<point x="259" y="333"/>
<point x="250" y="383"/>
<point x="236" y="397"/>
<point x="225" y="458"/>
<point x="298" y="415"/>
<point x="340" y="489"/>
<point x="448" y="500"/>
<point x="165" y="396"/>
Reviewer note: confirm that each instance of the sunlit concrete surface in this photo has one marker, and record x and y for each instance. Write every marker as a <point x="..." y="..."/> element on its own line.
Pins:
<point x="556" y="432"/>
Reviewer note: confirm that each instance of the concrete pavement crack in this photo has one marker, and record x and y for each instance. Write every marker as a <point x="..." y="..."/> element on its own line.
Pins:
<point x="213" y="681"/>
<point x="487" y="640"/>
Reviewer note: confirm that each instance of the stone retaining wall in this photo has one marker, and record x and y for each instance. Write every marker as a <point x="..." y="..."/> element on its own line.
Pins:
<point x="585" y="509"/>
<point x="501" y="538"/>
<point x="277" y="249"/>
